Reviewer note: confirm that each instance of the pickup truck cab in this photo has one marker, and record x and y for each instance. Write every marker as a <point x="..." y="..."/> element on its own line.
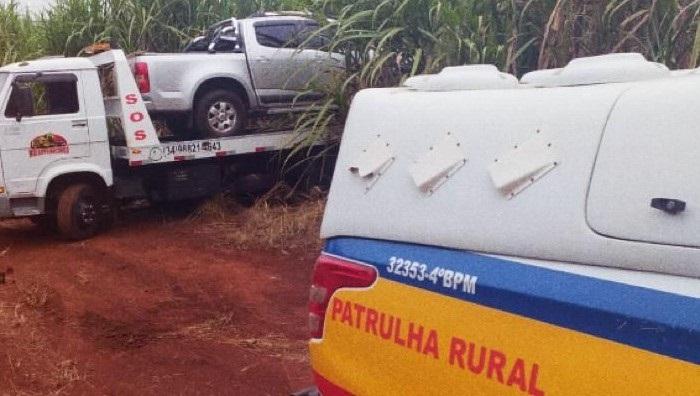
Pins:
<point x="257" y="65"/>
<point x="486" y="235"/>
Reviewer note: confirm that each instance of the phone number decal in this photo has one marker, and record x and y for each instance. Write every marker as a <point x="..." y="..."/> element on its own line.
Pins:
<point x="438" y="276"/>
<point x="191" y="148"/>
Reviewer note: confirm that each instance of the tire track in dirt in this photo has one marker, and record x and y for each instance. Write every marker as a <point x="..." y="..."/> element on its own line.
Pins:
<point x="155" y="307"/>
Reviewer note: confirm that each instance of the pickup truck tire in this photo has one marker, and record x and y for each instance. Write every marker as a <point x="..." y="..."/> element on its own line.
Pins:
<point x="78" y="214"/>
<point x="220" y="113"/>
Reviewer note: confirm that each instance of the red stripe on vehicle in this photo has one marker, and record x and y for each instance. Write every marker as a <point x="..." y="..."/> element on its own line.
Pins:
<point x="328" y="388"/>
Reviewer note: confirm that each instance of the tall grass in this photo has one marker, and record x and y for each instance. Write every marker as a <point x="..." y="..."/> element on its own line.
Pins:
<point x="134" y="25"/>
<point x="153" y="25"/>
<point x="20" y="38"/>
<point x="384" y="41"/>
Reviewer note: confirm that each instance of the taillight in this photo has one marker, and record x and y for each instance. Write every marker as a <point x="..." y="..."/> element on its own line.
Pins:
<point x="331" y="274"/>
<point x="141" y="76"/>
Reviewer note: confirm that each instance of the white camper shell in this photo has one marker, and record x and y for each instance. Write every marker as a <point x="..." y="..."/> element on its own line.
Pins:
<point x="595" y="163"/>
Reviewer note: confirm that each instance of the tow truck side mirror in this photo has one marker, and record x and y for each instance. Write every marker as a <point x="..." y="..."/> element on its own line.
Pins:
<point x="21" y="102"/>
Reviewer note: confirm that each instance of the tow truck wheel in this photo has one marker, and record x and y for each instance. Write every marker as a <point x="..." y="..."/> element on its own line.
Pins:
<point x="220" y="113"/>
<point x="78" y="214"/>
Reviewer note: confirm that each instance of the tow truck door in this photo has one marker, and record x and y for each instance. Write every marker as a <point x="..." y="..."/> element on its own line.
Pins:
<point x="43" y="122"/>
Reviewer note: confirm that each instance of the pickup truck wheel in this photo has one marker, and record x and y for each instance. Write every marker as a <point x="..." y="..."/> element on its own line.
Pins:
<point x="220" y="113"/>
<point x="78" y="214"/>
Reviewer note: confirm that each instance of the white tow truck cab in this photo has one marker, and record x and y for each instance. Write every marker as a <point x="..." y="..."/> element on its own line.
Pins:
<point x="75" y="136"/>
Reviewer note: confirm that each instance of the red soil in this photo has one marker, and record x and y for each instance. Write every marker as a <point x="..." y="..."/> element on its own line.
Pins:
<point x="153" y="306"/>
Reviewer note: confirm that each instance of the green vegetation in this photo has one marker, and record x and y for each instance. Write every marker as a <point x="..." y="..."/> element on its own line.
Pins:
<point x="517" y="35"/>
<point x="387" y="41"/>
<point x="19" y="36"/>
<point x="153" y="25"/>
<point x="384" y="41"/>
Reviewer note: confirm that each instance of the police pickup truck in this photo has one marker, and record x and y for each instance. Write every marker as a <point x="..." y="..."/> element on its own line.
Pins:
<point x="486" y="235"/>
<point x="265" y="64"/>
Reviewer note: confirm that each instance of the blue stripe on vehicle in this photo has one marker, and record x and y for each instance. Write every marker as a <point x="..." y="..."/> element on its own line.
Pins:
<point x="661" y="322"/>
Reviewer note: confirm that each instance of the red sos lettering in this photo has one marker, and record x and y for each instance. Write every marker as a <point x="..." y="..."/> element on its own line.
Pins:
<point x="140" y="134"/>
<point x="131" y="99"/>
<point x="136" y="117"/>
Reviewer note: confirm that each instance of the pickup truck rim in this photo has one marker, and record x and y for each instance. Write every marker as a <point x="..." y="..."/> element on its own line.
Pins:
<point x="222" y="117"/>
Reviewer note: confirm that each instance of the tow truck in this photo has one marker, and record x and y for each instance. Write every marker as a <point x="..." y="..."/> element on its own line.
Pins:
<point x="76" y="139"/>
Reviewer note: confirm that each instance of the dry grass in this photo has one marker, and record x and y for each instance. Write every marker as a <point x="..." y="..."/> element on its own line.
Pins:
<point x="270" y="223"/>
<point x="220" y="330"/>
<point x="279" y="226"/>
<point x="31" y="365"/>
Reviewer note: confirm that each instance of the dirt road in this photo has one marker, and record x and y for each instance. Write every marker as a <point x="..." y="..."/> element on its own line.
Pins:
<point x="154" y="306"/>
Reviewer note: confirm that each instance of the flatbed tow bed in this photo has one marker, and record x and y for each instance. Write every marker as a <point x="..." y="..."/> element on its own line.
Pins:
<point x="187" y="150"/>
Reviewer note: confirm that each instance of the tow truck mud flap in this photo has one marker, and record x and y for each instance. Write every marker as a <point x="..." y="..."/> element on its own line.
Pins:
<point x="440" y="321"/>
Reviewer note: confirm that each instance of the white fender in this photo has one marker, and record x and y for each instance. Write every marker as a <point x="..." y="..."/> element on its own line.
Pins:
<point x="63" y="168"/>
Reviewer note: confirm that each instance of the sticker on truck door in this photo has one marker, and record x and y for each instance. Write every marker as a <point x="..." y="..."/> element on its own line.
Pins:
<point x="48" y="143"/>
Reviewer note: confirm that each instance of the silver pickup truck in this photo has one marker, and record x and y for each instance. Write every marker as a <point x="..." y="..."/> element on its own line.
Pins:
<point x="257" y="65"/>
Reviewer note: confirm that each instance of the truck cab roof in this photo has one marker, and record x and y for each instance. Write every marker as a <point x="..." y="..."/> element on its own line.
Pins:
<point x="48" y="64"/>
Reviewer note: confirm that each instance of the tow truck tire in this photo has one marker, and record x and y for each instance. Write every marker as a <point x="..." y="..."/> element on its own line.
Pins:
<point x="78" y="214"/>
<point x="220" y="113"/>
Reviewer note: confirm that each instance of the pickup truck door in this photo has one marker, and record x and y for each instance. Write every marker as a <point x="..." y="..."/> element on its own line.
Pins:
<point x="325" y="64"/>
<point x="278" y="67"/>
<point x="52" y="127"/>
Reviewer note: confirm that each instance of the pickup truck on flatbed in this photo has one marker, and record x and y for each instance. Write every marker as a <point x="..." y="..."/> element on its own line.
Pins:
<point x="76" y="140"/>
<point x="257" y="65"/>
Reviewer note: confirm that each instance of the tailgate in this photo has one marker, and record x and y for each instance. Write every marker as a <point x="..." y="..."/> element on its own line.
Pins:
<point x="441" y="321"/>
